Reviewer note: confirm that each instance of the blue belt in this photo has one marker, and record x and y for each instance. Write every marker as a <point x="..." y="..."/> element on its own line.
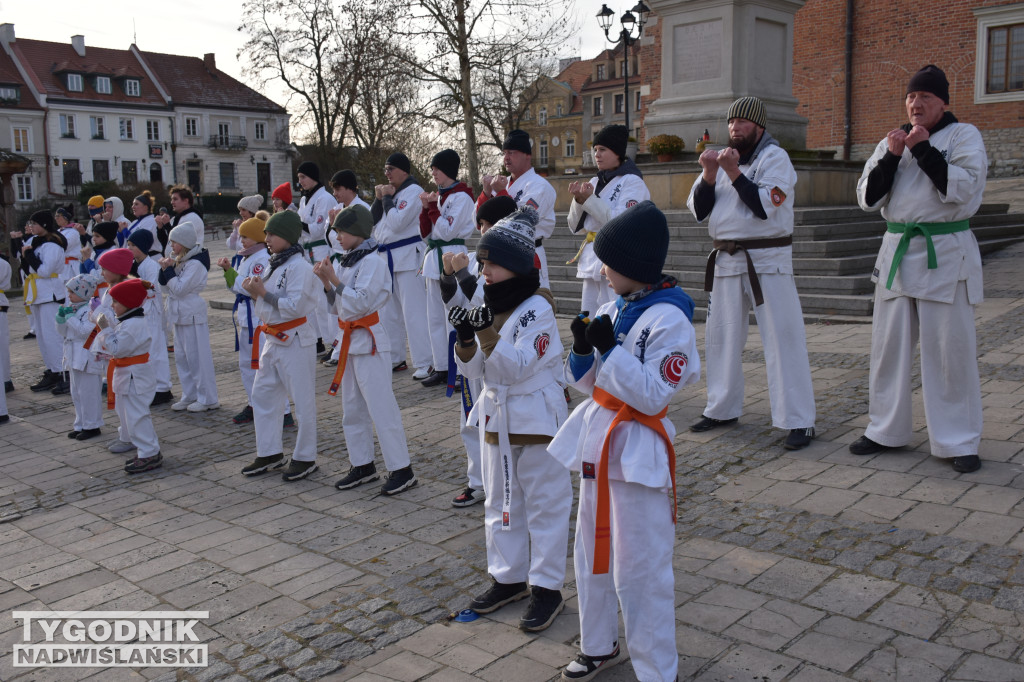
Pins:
<point x="456" y="380"/>
<point x="236" y="260"/>
<point x="239" y="298"/>
<point x="394" y="245"/>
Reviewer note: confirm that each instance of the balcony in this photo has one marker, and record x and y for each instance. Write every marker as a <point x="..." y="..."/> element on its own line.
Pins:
<point x="229" y="142"/>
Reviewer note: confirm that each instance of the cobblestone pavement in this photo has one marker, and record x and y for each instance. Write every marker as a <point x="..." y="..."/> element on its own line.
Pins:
<point x="808" y="566"/>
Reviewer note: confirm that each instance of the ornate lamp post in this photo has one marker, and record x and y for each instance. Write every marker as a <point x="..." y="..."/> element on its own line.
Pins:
<point x="630" y="23"/>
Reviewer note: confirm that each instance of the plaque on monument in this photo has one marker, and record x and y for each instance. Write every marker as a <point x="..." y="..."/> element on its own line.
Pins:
<point x="698" y="51"/>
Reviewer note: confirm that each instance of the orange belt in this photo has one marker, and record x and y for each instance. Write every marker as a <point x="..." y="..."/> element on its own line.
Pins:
<point x="113" y="364"/>
<point x="348" y="327"/>
<point x="276" y="330"/>
<point x="623" y="413"/>
<point x="68" y="259"/>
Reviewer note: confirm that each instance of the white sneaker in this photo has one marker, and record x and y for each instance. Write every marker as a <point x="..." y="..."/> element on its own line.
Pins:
<point x="121" y="446"/>
<point x="182" y="404"/>
<point x="202" y="407"/>
<point x="422" y="373"/>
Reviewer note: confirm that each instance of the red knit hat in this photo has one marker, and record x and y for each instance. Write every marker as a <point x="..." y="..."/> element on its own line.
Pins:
<point x="118" y="261"/>
<point x="129" y="293"/>
<point x="283" y="192"/>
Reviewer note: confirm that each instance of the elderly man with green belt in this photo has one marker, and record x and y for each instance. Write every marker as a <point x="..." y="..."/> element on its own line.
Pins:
<point x="927" y="179"/>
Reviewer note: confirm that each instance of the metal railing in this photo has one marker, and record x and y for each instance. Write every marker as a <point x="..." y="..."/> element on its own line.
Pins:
<point x="228" y="142"/>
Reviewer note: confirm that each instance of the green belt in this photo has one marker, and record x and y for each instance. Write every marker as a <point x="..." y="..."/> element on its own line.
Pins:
<point x="312" y="245"/>
<point x="437" y="244"/>
<point x="926" y="230"/>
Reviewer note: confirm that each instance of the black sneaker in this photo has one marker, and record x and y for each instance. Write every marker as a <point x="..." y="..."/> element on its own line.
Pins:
<point x="243" y="417"/>
<point x="966" y="464"/>
<point x="436" y="379"/>
<point x="161" y="397"/>
<point x="263" y="464"/>
<point x="866" y="446"/>
<point x="708" y="423"/>
<point x="8" y="386"/>
<point x="320" y="348"/>
<point x="499" y="595"/>
<point x="297" y="470"/>
<point x="30" y="335"/>
<point x="398" y="480"/>
<point x="798" y="438"/>
<point x="289" y="422"/>
<point x="468" y="497"/>
<point x="356" y="476"/>
<point x="544" y="605"/>
<point x="400" y="367"/>
<point x="47" y="382"/>
<point x="86" y="434"/>
<point x="138" y="466"/>
<point x="63" y="386"/>
<point x="585" y="667"/>
<point x="4" y="418"/>
<point x="73" y="435"/>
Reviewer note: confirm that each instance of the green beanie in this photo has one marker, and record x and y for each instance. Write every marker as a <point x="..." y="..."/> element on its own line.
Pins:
<point x="355" y="220"/>
<point x="286" y="225"/>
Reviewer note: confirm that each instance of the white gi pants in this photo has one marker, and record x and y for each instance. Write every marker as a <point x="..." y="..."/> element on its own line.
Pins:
<point x="542" y="257"/>
<point x="137" y="423"/>
<point x="405" y="313"/>
<point x="596" y="293"/>
<point x="781" y="324"/>
<point x="437" y="326"/>
<point x="950" y="383"/>
<point x="158" y="358"/>
<point x="471" y="437"/>
<point x="88" y="400"/>
<point x="285" y="372"/>
<point x="535" y="546"/>
<point x="368" y="402"/>
<point x="51" y="343"/>
<point x="5" y="348"/>
<point x="325" y="320"/>
<point x="639" y="578"/>
<point x="194" y="361"/>
<point x="245" y="360"/>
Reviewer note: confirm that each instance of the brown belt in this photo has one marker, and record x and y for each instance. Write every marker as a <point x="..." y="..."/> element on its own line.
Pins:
<point x="731" y="247"/>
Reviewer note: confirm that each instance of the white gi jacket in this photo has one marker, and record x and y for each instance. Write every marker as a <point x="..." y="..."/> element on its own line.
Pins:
<point x="530" y="189"/>
<point x="147" y="223"/>
<point x="367" y="289"/>
<point x="5" y="280"/>
<point x="75" y="331"/>
<point x="621" y="193"/>
<point x="314" y="213"/>
<point x="49" y="284"/>
<point x="915" y="199"/>
<point x="298" y="291"/>
<point x="255" y="264"/>
<point x="457" y="220"/>
<point x="401" y="222"/>
<point x="185" y="305"/>
<point x="149" y="271"/>
<point x="73" y="252"/>
<point x="122" y="340"/>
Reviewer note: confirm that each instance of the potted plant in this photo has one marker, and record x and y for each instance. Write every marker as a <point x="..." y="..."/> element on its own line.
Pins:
<point x="664" y="146"/>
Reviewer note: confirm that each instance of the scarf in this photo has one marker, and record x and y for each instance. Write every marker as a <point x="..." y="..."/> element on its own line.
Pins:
<point x="134" y="312"/>
<point x="627" y="167"/>
<point x="357" y="254"/>
<point x="279" y="259"/>
<point x="255" y="248"/>
<point x="631" y="307"/>
<point x="308" y="193"/>
<point x="501" y="297"/>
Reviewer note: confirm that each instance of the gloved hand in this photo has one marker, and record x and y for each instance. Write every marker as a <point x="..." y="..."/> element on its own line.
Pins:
<point x="578" y="326"/>
<point x="459" y="318"/>
<point x="600" y="334"/>
<point x="102" y="322"/>
<point x="62" y="314"/>
<point x="481" y="318"/>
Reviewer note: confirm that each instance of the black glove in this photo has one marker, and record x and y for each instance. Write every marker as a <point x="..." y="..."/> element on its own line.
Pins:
<point x="481" y="318"/>
<point x="578" y="326"/>
<point x="459" y="318"/>
<point x="600" y="334"/>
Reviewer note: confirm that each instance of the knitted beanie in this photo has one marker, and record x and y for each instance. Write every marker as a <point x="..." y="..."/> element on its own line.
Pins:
<point x="749" y="108"/>
<point x="251" y="204"/>
<point x="495" y="208"/>
<point x="345" y="178"/>
<point x="44" y="219"/>
<point x="510" y="243"/>
<point x="310" y="170"/>
<point x="635" y="243"/>
<point x="287" y="225"/>
<point x="253" y="229"/>
<point x="399" y="161"/>
<point x="130" y="293"/>
<point x="930" y="79"/>
<point x="63" y="213"/>
<point x="81" y="286"/>
<point x="185" y="235"/>
<point x="615" y="138"/>
<point x="517" y="140"/>
<point x="447" y="161"/>
<point x="118" y="261"/>
<point x="107" y="230"/>
<point x="143" y="240"/>
<point x="95" y="201"/>
<point x="355" y="220"/>
<point x="283" y="192"/>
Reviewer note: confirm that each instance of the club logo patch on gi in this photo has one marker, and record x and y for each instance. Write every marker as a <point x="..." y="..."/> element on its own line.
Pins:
<point x="588" y="470"/>
<point x="532" y="204"/>
<point x="672" y="368"/>
<point x="504" y="518"/>
<point x="402" y="204"/>
<point x="540" y="344"/>
<point x="631" y="203"/>
<point x="258" y="269"/>
<point x="319" y="219"/>
<point x="778" y="196"/>
<point x="450" y="219"/>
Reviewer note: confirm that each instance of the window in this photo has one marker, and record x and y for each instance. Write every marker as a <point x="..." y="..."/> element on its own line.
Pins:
<point x="96" y="127"/>
<point x="127" y="128"/>
<point x="152" y="130"/>
<point x="623" y="68"/>
<point x="223" y="138"/>
<point x="570" y="146"/>
<point x="192" y="127"/>
<point x="23" y="187"/>
<point x="999" y="63"/>
<point x="103" y="85"/>
<point x="227" y="175"/>
<point x="543" y="151"/>
<point x="100" y="170"/>
<point x="638" y="100"/>
<point x="21" y="140"/>
<point x="601" y="72"/>
<point x="261" y="131"/>
<point x="131" y="87"/>
<point x="598" y="106"/>
<point x="75" y="82"/>
<point x="558" y="109"/>
<point x="618" y="104"/>
<point x="67" y="125"/>
<point x="542" y="116"/>
<point x="10" y="94"/>
<point x="129" y="172"/>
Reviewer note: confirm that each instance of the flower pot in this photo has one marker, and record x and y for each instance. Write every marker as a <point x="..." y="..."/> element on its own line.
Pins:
<point x="664" y="158"/>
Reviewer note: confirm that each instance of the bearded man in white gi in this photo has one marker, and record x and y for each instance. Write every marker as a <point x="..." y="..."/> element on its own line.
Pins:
<point x="746" y="193"/>
<point x="927" y="179"/>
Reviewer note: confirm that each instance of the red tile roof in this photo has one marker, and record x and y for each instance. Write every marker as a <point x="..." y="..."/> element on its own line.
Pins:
<point x="190" y="82"/>
<point x="9" y="75"/>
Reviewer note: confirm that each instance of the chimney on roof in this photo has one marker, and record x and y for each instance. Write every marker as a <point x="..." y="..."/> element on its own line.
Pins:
<point x="210" y="61"/>
<point x="78" y="42"/>
<point x="6" y="33"/>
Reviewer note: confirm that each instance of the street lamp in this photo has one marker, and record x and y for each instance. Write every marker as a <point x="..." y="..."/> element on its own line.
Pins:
<point x="629" y="22"/>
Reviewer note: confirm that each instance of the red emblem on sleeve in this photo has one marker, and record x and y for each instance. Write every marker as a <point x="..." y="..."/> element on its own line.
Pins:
<point x="631" y="203"/>
<point x="402" y="204"/>
<point x="532" y="204"/>
<point x="778" y="196"/>
<point x="257" y="269"/>
<point x="540" y="344"/>
<point x="319" y="219"/>
<point x="672" y="368"/>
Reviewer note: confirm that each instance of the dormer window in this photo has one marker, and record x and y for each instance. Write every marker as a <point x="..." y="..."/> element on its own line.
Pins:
<point x="131" y="87"/>
<point x="600" y="72"/>
<point x="103" y="85"/>
<point x="75" y="82"/>
<point x="9" y="94"/>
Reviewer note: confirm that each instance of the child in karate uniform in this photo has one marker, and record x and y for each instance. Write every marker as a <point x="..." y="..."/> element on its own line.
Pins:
<point x="140" y="243"/>
<point x="526" y="514"/>
<point x="86" y="371"/>
<point x="357" y="288"/>
<point x="621" y="442"/>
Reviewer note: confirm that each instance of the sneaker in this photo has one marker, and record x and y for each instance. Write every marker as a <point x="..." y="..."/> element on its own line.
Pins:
<point x="137" y="465"/>
<point x="330" y="362"/>
<point x="966" y="464"/>
<point x="182" y="404"/>
<point x="297" y="470"/>
<point x="400" y="367"/>
<point x="47" y="382"/>
<point x="263" y="464"/>
<point x="202" y="407"/>
<point x="320" y="347"/>
<point x="4" y="418"/>
<point x="356" y="476"/>
<point x="798" y="438"/>
<point x="243" y="417"/>
<point x="30" y="335"/>
<point x="436" y="379"/>
<point x="398" y="480"/>
<point x="585" y="667"/>
<point x="86" y="434"/>
<point x="63" y="386"/>
<point x="8" y="386"/>
<point x="468" y="497"/>
<point x="544" y="605"/>
<point x="866" y="446"/>
<point x="73" y="435"/>
<point x="118" y="446"/>
<point x="499" y="595"/>
<point x="170" y="349"/>
<point x="708" y="423"/>
<point x="422" y="373"/>
<point x="289" y="422"/>
<point x="161" y="397"/>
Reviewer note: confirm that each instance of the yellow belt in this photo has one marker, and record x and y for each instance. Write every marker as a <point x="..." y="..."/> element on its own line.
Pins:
<point x="30" y="285"/>
<point x="589" y="239"/>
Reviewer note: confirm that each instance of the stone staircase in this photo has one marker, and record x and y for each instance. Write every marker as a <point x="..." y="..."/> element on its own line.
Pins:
<point x="834" y="251"/>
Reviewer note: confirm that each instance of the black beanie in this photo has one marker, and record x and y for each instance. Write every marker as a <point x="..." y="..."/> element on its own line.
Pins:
<point x="346" y="179"/>
<point x="930" y="79"/>
<point x="447" y="161"/>
<point x="310" y="170"/>
<point x="399" y="161"/>
<point x="518" y="140"/>
<point x="635" y="242"/>
<point x="495" y="208"/>
<point x="510" y="243"/>
<point x="107" y="230"/>
<point x="615" y="138"/>
<point x="44" y="219"/>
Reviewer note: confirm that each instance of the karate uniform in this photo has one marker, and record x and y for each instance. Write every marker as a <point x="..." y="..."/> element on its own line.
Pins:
<point x="73" y="252"/>
<point x="314" y="211"/>
<point x="147" y="223"/>
<point x="44" y="294"/>
<point x="245" y="319"/>
<point x="933" y="305"/>
<point x="135" y="385"/>
<point x="287" y="365"/>
<point x="529" y="494"/>
<point x="5" y="328"/>
<point x="149" y="270"/>
<point x="530" y="189"/>
<point x="86" y="371"/>
<point x="658" y="356"/>
<point x="780" y="319"/>
<point x="193" y="357"/>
